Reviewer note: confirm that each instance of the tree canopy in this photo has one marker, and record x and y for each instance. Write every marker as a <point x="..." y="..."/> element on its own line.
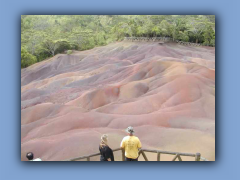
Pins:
<point x="43" y="36"/>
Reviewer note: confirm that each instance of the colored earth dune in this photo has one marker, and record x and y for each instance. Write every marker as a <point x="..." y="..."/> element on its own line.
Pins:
<point x="166" y="92"/>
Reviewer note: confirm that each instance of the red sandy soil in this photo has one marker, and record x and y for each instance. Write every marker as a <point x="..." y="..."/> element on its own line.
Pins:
<point x="166" y="92"/>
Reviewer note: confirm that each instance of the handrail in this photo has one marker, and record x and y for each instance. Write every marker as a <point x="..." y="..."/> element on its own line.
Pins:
<point x="142" y="151"/>
<point x="88" y="156"/>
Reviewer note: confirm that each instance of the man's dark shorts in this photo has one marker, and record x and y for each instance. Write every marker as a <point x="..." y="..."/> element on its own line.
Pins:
<point x="130" y="159"/>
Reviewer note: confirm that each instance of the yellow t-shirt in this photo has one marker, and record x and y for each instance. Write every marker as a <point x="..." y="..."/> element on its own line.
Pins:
<point x="131" y="144"/>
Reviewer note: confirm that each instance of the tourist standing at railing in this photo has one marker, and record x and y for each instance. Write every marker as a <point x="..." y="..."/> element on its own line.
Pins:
<point x="105" y="151"/>
<point x="131" y="144"/>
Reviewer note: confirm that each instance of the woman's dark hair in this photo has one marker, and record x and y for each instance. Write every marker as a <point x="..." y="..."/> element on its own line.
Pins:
<point x="29" y="156"/>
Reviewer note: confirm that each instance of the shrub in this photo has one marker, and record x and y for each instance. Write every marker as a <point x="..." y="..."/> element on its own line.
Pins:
<point x="69" y="52"/>
<point x="212" y="42"/>
<point x="27" y="59"/>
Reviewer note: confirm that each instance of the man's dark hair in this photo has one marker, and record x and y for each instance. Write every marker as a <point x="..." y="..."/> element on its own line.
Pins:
<point x="29" y="156"/>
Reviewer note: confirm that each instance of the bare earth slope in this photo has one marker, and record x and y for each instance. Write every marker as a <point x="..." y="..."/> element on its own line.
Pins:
<point x="166" y="92"/>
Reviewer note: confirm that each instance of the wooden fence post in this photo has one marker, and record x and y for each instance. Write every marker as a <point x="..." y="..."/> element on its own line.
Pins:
<point x="158" y="156"/>
<point x="179" y="158"/>
<point x="123" y="155"/>
<point x="197" y="157"/>
<point x="175" y="157"/>
<point x="144" y="156"/>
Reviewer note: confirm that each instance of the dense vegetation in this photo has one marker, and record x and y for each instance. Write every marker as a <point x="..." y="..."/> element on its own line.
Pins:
<point x="43" y="36"/>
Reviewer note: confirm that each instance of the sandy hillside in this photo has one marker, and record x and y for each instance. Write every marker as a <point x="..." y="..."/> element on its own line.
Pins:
<point x="166" y="92"/>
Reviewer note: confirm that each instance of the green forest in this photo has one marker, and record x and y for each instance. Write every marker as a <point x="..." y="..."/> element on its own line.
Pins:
<point x="43" y="36"/>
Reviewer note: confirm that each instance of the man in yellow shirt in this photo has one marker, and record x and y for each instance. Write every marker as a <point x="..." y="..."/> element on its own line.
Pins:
<point x="131" y="144"/>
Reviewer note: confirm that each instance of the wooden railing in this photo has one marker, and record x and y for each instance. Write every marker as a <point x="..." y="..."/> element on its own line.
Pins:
<point x="178" y="155"/>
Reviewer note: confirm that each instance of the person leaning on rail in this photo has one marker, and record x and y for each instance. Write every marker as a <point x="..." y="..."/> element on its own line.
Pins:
<point x="105" y="151"/>
<point x="131" y="144"/>
<point x="30" y="157"/>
